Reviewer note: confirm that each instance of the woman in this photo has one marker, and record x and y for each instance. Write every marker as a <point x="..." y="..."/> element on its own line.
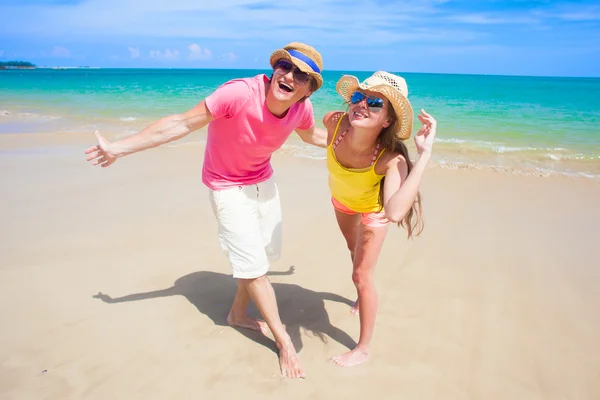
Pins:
<point x="373" y="181"/>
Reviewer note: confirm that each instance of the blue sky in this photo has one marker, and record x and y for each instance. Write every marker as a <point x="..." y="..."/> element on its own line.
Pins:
<point x="557" y="38"/>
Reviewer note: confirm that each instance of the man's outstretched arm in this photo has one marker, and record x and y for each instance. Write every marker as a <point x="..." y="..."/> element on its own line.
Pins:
<point x="164" y="130"/>
<point x="315" y="136"/>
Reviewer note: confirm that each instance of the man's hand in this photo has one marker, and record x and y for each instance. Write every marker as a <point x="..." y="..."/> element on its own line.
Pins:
<point x="101" y="153"/>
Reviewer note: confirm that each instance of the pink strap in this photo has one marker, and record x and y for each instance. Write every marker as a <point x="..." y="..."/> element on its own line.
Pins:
<point x="375" y="154"/>
<point x="339" y="138"/>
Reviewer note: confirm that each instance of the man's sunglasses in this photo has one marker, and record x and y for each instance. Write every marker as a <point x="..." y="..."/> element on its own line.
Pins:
<point x="374" y="103"/>
<point x="285" y="66"/>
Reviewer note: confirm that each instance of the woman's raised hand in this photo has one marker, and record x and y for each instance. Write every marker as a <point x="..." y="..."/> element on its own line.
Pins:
<point x="426" y="135"/>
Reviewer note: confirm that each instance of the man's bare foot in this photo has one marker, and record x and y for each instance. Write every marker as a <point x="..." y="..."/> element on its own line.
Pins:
<point x="289" y="362"/>
<point x="354" y="309"/>
<point x="351" y="358"/>
<point x="248" y="323"/>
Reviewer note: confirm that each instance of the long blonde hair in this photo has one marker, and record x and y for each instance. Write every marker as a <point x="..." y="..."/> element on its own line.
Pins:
<point x="390" y="141"/>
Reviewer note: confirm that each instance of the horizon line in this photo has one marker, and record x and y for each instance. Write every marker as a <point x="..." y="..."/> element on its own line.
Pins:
<point x="58" y="67"/>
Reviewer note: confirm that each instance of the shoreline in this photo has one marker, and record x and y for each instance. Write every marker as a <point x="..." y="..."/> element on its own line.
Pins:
<point x="446" y="156"/>
<point x="525" y="145"/>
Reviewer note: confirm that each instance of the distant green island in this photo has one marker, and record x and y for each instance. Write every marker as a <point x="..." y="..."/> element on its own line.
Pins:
<point x="16" y="64"/>
<point x="28" y="65"/>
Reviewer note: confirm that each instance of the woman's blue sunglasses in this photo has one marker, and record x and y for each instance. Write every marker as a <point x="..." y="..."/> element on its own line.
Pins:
<point x="374" y="103"/>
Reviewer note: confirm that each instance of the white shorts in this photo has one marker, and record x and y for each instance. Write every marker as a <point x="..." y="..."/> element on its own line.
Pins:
<point x="250" y="233"/>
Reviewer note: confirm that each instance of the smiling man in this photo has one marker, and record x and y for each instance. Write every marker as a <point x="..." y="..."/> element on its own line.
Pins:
<point x="248" y="120"/>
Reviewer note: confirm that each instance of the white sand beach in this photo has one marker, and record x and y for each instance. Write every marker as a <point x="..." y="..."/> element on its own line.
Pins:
<point x="113" y="285"/>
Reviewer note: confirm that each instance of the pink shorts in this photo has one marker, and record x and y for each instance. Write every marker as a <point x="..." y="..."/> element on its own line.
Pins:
<point x="372" y="219"/>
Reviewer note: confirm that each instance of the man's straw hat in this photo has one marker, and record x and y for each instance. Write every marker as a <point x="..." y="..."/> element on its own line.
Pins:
<point x="393" y="87"/>
<point x="305" y="57"/>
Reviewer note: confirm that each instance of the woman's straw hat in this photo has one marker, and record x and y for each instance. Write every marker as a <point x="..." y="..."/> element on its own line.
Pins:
<point x="393" y="87"/>
<point x="305" y="57"/>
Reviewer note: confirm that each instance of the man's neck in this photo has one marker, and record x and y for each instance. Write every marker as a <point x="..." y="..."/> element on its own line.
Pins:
<point x="277" y="108"/>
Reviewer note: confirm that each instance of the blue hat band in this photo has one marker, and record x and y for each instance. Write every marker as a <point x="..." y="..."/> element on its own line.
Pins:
<point x="306" y="59"/>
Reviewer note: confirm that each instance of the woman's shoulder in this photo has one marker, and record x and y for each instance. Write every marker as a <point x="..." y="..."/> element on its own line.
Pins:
<point x="330" y="120"/>
<point x="388" y="160"/>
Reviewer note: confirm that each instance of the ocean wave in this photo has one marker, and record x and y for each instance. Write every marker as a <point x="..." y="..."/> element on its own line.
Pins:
<point x="497" y="147"/>
<point x="533" y="161"/>
<point x="303" y="151"/>
<point x="128" y="119"/>
<point x="452" y="140"/>
<point x="38" y="117"/>
<point x="539" y="172"/>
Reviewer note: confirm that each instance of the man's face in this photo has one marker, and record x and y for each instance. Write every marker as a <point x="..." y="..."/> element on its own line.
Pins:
<point x="289" y="84"/>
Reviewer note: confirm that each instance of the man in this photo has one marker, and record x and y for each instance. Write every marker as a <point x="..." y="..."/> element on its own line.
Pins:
<point x="248" y="120"/>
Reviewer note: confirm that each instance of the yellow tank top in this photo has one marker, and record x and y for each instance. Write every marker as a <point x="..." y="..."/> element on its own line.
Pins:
<point x="357" y="189"/>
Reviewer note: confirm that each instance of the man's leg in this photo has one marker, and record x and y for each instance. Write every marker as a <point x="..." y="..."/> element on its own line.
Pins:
<point x="270" y="218"/>
<point x="236" y="216"/>
<point x="241" y="238"/>
<point x="238" y="314"/>
<point x="262" y="294"/>
<point x="260" y="289"/>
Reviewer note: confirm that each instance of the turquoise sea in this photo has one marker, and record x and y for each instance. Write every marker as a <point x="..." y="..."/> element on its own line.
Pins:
<point x="530" y="124"/>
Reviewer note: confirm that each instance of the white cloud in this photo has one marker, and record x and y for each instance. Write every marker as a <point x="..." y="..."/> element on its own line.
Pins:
<point x="198" y="53"/>
<point x="580" y="16"/>
<point x="480" y="50"/>
<point x="168" y="55"/>
<point x="481" y="19"/>
<point x="231" y="56"/>
<point x="260" y="26"/>
<point x="568" y="13"/>
<point x="254" y="20"/>
<point x="59" y="51"/>
<point x="134" y="52"/>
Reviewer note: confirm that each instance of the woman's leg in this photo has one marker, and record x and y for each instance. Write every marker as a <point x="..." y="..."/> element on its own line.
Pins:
<point x="349" y="224"/>
<point x="368" y="246"/>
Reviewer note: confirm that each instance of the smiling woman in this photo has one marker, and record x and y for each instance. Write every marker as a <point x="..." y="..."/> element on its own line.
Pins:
<point x="373" y="181"/>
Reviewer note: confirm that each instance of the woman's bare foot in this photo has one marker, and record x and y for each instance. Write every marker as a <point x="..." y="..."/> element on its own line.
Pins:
<point x="351" y="358"/>
<point x="354" y="308"/>
<point x="289" y="362"/>
<point x="248" y="323"/>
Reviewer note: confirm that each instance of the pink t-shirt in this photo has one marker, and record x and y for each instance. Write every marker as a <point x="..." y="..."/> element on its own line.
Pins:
<point x="244" y="134"/>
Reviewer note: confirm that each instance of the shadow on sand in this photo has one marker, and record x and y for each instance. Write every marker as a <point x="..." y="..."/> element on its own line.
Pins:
<point x="212" y="294"/>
